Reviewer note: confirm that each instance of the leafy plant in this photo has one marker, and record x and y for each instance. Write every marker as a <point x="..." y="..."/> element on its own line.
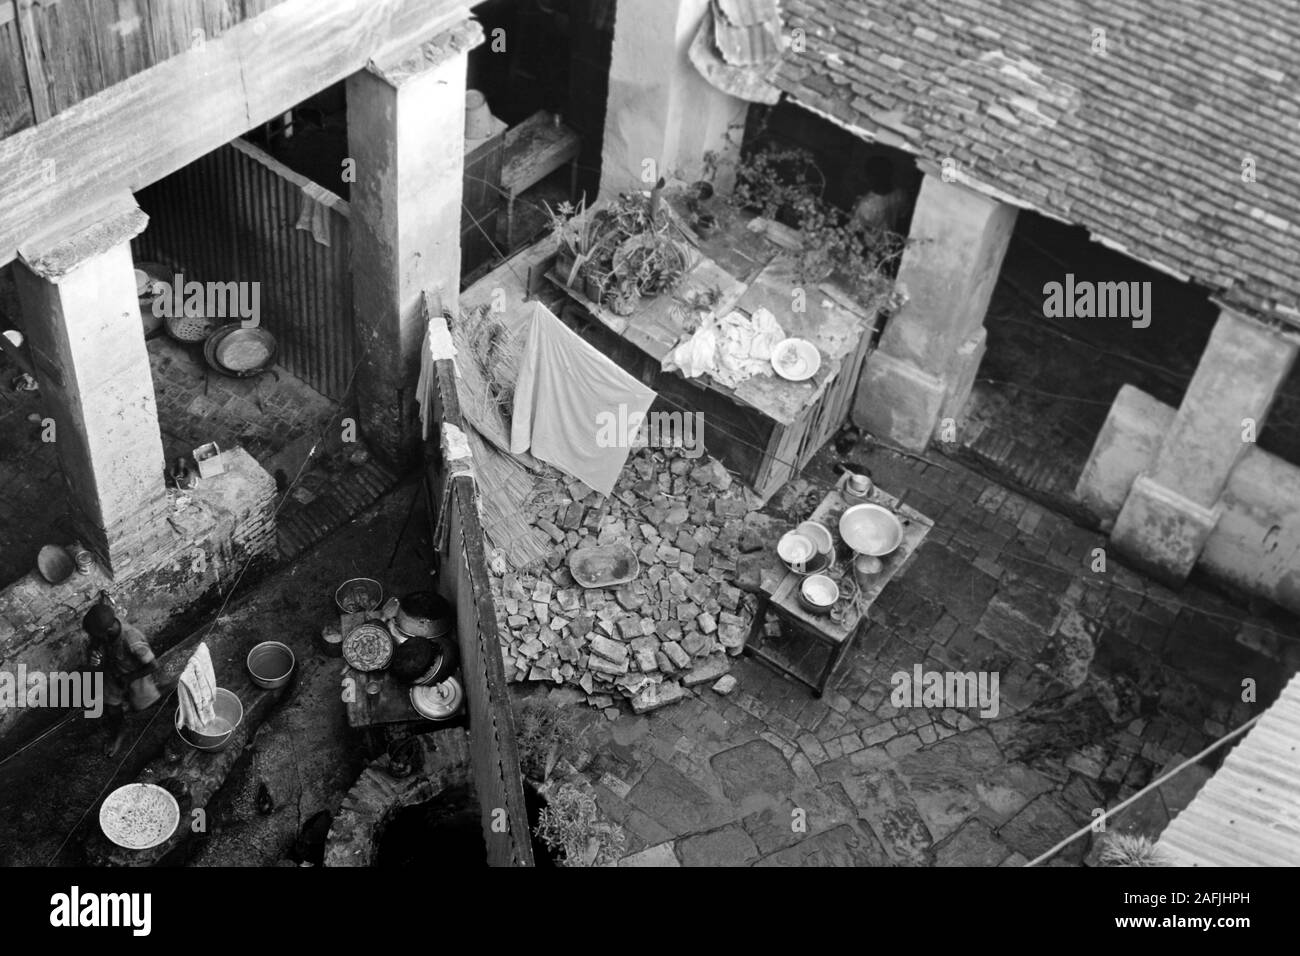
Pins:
<point x="1127" y="849"/>
<point x="544" y="732"/>
<point x="786" y="185"/>
<point x="580" y="234"/>
<point x="570" y="823"/>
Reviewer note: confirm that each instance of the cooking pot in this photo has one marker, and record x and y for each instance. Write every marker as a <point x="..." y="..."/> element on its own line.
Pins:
<point x="424" y="614"/>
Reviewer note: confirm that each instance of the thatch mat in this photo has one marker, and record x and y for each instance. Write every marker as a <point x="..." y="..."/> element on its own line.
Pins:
<point x="505" y="481"/>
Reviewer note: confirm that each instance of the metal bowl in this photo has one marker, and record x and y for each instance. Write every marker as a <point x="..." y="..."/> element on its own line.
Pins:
<point x="222" y="348"/>
<point x="55" y="564"/>
<point x="139" y="816"/>
<point x="818" y="593"/>
<point x="818" y="534"/>
<point x="359" y="594"/>
<point x="871" y="529"/>
<point x="229" y="710"/>
<point x="796" y="549"/>
<point x="270" y="664"/>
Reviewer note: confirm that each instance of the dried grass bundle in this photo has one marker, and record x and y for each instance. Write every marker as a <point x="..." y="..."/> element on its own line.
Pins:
<point x="497" y="348"/>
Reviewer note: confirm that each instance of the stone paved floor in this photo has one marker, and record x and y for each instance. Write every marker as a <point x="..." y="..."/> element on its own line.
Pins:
<point x="1106" y="679"/>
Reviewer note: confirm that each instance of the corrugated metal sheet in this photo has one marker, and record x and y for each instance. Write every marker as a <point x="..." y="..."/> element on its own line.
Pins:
<point x="231" y="216"/>
<point x="1248" y="814"/>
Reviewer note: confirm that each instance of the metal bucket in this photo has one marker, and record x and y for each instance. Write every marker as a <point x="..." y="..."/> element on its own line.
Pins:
<point x="229" y="713"/>
<point x="270" y="664"/>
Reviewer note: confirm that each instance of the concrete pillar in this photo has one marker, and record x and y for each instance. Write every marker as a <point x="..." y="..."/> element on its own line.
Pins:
<point x="660" y="109"/>
<point x="931" y="349"/>
<point x="406" y="134"/>
<point x="1174" y="504"/>
<point x="82" y="320"/>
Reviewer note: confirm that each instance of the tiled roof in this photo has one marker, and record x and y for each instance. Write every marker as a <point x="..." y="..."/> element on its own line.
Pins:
<point x="1143" y="145"/>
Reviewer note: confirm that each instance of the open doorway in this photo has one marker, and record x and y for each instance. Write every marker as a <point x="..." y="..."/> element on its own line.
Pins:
<point x="1047" y="382"/>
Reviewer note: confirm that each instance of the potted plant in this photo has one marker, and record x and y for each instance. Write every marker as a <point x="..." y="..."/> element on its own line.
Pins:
<point x="581" y="235"/>
<point x="622" y="295"/>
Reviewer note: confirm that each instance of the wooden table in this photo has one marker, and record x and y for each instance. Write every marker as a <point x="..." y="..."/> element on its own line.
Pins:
<point x="534" y="149"/>
<point x="766" y="428"/>
<point x="835" y="634"/>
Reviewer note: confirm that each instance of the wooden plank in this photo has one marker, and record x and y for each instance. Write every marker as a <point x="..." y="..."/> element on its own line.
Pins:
<point x="536" y="148"/>
<point x="38" y="87"/>
<point x="15" y="103"/>
<point x="157" y="121"/>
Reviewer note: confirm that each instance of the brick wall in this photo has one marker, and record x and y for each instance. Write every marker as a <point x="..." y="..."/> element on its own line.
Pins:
<point x="210" y="533"/>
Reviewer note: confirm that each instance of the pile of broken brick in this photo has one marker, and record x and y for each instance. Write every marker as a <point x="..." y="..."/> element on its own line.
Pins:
<point x="702" y="546"/>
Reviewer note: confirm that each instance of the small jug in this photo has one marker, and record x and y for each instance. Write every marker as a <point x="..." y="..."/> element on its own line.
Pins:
<point x="858" y="485"/>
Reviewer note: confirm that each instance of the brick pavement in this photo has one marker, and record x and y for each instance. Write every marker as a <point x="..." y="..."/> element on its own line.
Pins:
<point x="1106" y="679"/>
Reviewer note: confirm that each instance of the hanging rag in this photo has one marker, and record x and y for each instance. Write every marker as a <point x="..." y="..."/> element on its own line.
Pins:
<point x="197" y="691"/>
<point x="731" y="349"/>
<point x="314" y="213"/>
<point x="437" y="345"/>
<point x="573" y="407"/>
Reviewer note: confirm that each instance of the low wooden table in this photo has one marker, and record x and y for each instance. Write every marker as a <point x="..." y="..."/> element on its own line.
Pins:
<point x="833" y="634"/>
<point x="534" y="149"/>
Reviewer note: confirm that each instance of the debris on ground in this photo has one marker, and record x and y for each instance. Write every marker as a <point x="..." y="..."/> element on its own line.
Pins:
<point x="701" y="545"/>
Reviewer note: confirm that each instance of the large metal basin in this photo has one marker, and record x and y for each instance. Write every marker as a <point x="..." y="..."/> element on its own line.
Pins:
<point x="871" y="529"/>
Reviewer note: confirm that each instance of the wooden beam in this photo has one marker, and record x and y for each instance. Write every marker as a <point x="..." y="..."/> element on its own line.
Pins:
<point x="37" y="86"/>
<point x="157" y="121"/>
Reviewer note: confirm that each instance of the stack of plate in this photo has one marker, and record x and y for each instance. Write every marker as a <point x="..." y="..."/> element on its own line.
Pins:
<point x="239" y="352"/>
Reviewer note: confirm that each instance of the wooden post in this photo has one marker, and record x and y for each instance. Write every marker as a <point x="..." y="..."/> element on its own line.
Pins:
<point x="28" y="38"/>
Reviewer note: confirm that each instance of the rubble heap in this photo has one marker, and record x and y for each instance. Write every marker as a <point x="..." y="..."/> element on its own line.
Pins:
<point x="700" y="542"/>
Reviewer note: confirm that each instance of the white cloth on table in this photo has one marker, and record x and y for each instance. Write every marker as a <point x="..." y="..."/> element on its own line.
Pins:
<point x="573" y="407"/>
<point x="731" y="349"/>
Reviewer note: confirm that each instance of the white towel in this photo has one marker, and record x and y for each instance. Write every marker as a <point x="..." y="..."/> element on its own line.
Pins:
<point x="314" y="213"/>
<point x="197" y="693"/>
<point x="571" y="403"/>
<point x="730" y="349"/>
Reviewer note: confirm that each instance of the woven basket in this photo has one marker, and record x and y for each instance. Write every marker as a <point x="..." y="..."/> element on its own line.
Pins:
<point x="189" y="328"/>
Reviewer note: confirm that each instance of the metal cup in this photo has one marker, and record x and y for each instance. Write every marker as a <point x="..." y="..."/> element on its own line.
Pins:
<point x="859" y="485"/>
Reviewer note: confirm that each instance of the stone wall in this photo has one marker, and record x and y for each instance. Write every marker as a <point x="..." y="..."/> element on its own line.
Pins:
<point x="211" y="531"/>
<point x="1254" y="546"/>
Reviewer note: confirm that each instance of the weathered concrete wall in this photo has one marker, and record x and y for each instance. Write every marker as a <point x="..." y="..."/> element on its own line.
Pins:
<point x="659" y="107"/>
<point x="212" y="531"/>
<point x="1255" y="544"/>
<point x="930" y="351"/>
<point x="82" y="320"/>
<point x="406" y="132"/>
<point x="1172" y="508"/>
<point x="1127" y="443"/>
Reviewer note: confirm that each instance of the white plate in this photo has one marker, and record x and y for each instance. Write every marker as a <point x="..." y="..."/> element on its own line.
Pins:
<point x="796" y="360"/>
<point x="139" y="816"/>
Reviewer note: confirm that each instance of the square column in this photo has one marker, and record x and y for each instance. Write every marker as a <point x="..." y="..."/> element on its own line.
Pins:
<point x="660" y="109"/>
<point x="406" y="134"/>
<point x="1174" y="504"/>
<point x="925" y="366"/>
<point x="82" y="321"/>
